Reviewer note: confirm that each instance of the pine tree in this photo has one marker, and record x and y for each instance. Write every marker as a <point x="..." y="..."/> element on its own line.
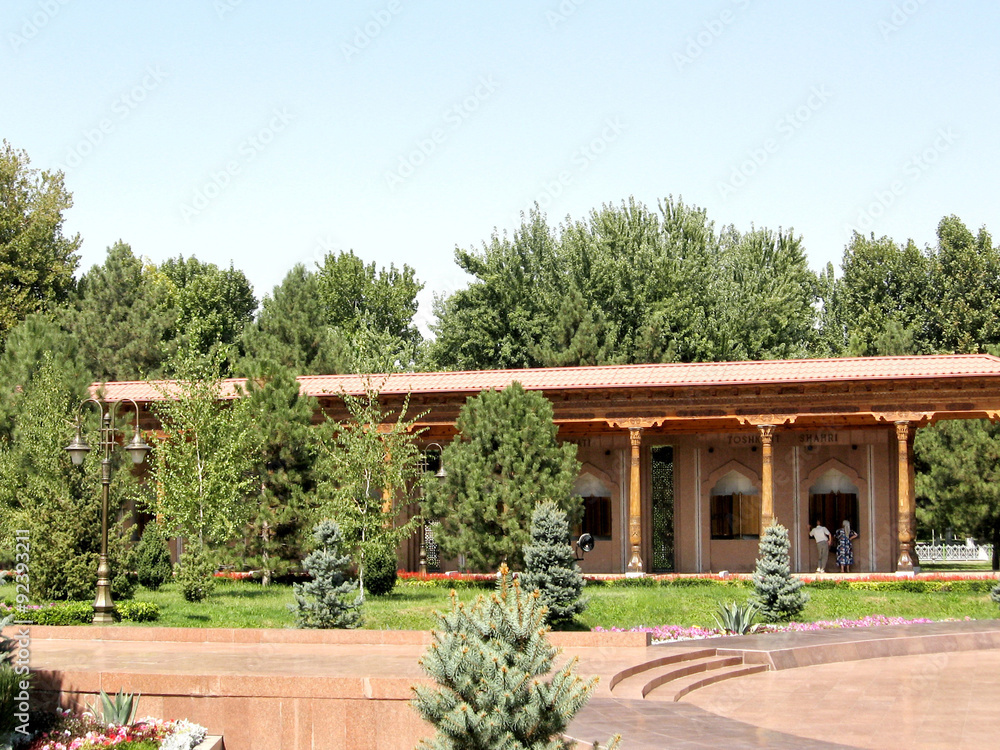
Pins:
<point x="490" y="661"/>
<point x="777" y="593"/>
<point x="331" y="603"/>
<point x="550" y="566"/>
<point x="195" y="569"/>
<point x="277" y="536"/>
<point x="151" y="558"/>
<point x="505" y="460"/>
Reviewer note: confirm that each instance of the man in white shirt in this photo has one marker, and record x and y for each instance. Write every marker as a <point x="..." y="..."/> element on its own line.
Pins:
<point x="822" y="536"/>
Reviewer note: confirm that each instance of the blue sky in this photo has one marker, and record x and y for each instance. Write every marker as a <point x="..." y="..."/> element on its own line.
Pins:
<point x="265" y="134"/>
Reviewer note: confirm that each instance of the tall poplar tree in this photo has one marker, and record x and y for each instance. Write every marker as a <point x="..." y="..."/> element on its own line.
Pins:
<point x="37" y="261"/>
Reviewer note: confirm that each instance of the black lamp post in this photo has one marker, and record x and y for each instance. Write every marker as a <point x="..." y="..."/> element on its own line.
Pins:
<point x="104" y="607"/>
<point x="440" y="474"/>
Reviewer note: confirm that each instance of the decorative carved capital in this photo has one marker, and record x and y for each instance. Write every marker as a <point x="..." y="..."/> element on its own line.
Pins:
<point x="916" y="418"/>
<point x="764" y="420"/>
<point x="633" y="423"/>
<point x="766" y="434"/>
<point x="635" y="436"/>
<point x="902" y="431"/>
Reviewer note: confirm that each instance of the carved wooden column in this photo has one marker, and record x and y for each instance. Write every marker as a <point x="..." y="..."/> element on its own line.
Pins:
<point x="906" y="511"/>
<point x="766" y="476"/>
<point x="635" y="504"/>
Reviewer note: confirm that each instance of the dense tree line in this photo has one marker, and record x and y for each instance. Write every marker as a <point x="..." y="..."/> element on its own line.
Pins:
<point x="625" y="284"/>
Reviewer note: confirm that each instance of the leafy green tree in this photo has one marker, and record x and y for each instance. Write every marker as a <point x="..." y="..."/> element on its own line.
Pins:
<point x="328" y="600"/>
<point x="777" y="593"/>
<point x="550" y="566"/>
<point x="58" y="503"/>
<point x="204" y="459"/>
<point x="284" y="494"/>
<point x="958" y="479"/>
<point x="496" y="321"/>
<point x="763" y="297"/>
<point x="366" y="471"/>
<point x="345" y="316"/>
<point x="882" y="298"/>
<point x="213" y="306"/>
<point x="504" y="461"/>
<point x="491" y="662"/>
<point x="965" y="284"/>
<point x="122" y="319"/>
<point x="37" y="261"/>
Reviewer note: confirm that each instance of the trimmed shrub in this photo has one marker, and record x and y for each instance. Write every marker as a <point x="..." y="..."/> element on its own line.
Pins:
<point x="550" y="566"/>
<point x="195" y="574"/>
<point x="380" y="571"/>
<point x="151" y="558"/>
<point x="329" y="600"/>
<point x="138" y="611"/>
<point x="777" y="593"/>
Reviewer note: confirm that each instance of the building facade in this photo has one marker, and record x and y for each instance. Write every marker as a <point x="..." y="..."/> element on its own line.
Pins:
<point x="683" y="465"/>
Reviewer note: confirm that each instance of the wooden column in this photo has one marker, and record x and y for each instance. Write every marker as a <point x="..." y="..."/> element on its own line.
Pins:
<point x="906" y="509"/>
<point x="766" y="476"/>
<point x="635" y="505"/>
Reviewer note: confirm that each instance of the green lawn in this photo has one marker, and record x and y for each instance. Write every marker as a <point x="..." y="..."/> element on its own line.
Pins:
<point x="248" y="605"/>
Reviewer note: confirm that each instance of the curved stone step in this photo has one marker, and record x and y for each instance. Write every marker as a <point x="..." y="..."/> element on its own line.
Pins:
<point x="672" y="658"/>
<point x="639" y="685"/>
<point x="677" y="689"/>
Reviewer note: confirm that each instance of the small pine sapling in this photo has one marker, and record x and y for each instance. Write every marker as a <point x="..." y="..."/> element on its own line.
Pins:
<point x="490" y="661"/>
<point x="777" y="594"/>
<point x="329" y="600"/>
<point x="151" y="558"/>
<point x="550" y="566"/>
<point x="196" y="573"/>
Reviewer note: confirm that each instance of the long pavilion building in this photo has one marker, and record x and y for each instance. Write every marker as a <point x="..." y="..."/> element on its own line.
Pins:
<point x="683" y="465"/>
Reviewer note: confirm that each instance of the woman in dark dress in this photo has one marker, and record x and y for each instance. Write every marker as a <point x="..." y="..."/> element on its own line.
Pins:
<point x="845" y="549"/>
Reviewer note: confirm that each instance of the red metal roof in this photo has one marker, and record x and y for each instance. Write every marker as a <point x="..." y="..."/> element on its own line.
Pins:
<point x="621" y="376"/>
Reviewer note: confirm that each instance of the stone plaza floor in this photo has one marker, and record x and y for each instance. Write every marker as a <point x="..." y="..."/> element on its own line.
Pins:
<point x="934" y="685"/>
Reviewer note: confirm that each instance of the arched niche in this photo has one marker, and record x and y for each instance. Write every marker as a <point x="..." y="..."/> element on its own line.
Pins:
<point x="835" y="490"/>
<point x="596" y="490"/>
<point x="734" y="502"/>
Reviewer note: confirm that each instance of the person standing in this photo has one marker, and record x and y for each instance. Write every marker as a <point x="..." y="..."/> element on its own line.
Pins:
<point x="822" y="536"/>
<point x="845" y="548"/>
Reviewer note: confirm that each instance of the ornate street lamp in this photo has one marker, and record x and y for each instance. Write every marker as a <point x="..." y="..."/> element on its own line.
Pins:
<point x="104" y="607"/>
<point x="440" y="475"/>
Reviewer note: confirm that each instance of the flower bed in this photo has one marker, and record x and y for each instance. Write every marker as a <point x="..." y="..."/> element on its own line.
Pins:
<point x="84" y="732"/>
<point x="665" y="633"/>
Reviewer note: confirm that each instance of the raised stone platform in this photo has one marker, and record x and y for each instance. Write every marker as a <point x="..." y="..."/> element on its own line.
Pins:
<point x="350" y="689"/>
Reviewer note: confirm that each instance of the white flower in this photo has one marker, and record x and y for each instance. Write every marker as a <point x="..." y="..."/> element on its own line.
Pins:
<point x="184" y="735"/>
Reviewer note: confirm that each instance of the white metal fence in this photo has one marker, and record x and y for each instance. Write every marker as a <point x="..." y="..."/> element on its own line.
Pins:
<point x="954" y="552"/>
